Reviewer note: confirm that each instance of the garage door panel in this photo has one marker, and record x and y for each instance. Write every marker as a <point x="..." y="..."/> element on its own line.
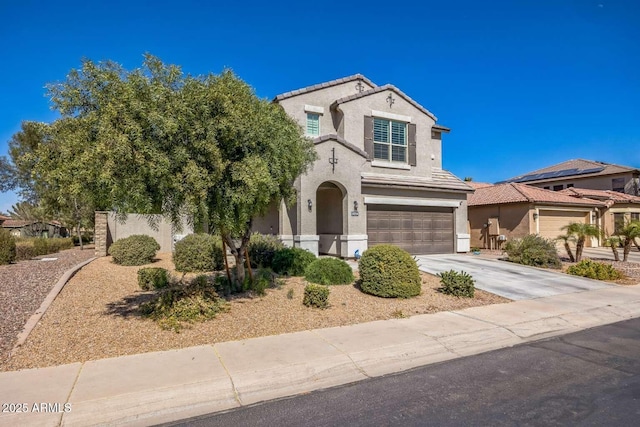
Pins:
<point x="418" y="230"/>
<point x="551" y="222"/>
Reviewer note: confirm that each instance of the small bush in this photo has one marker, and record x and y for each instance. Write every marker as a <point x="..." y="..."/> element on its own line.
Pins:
<point x="262" y="248"/>
<point x="134" y="250"/>
<point x="176" y="306"/>
<point x="390" y="272"/>
<point x="86" y="238"/>
<point x="7" y="247"/>
<point x="594" y="270"/>
<point x="316" y="296"/>
<point x="290" y="293"/>
<point x="24" y="251"/>
<point x="329" y="271"/>
<point x="533" y="250"/>
<point x="292" y="261"/>
<point x="457" y="284"/>
<point x="198" y="252"/>
<point x="153" y="278"/>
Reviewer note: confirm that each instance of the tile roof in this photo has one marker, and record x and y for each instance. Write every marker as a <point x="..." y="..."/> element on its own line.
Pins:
<point x="522" y="193"/>
<point x="571" y="168"/>
<point x="340" y="140"/>
<point x="382" y="89"/>
<point x="324" y="85"/>
<point x="477" y="185"/>
<point x="17" y="223"/>
<point x="610" y="197"/>
<point x="440" y="180"/>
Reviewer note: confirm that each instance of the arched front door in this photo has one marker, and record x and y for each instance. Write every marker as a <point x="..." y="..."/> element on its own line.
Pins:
<point x="330" y="202"/>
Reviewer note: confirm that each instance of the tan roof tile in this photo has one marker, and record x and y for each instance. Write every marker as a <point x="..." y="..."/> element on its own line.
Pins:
<point x="613" y="196"/>
<point x="522" y="193"/>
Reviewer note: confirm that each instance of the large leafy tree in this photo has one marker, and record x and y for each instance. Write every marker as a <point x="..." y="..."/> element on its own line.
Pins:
<point x="153" y="140"/>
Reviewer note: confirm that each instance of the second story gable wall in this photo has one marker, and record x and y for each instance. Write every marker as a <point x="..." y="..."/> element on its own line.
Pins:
<point x="295" y="106"/>
<point x="605" y="182"/>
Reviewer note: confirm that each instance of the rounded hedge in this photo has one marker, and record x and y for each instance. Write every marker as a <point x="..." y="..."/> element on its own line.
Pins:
<point x="329" y="271"/>
<point x="390" y="272"/>
<point x="134" y="250"/>
<point x="292" y="261"/>
<point x="262" y="248"/>
<point x="7" y="247"/>
<point x="197" y="253"/>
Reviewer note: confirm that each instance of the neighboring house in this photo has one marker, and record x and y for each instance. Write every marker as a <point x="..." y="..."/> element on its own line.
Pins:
<point x="620" y="208"/>
<point x="583" y="174"/>
<point x="379" y="176"/>
<point x="20" y="228"/>
<point x="506" y="211"/>
<point x="3" y="219"/>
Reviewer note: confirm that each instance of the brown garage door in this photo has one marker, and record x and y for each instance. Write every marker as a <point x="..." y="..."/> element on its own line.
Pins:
<point x="417" y="230"/>
<point x="551" y="222"/>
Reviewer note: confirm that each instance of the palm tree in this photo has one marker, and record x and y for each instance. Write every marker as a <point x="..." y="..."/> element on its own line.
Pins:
<point x="580" y="231"/>
<point x="613" y="242"/>
<point x="566" y="238"/>
<point x="627" y="235"/>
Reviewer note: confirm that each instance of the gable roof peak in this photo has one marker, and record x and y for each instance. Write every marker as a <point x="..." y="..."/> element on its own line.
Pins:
<point x="324" y="85"/>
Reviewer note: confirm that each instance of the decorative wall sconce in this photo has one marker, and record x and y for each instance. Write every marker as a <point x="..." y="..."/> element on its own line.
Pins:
<point x="535" y="216"/>
<point x="309" y="204"/>
<point x="355" y="205"/>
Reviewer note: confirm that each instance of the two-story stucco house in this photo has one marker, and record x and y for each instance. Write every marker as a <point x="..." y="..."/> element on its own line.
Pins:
<point x="379" y="176"/>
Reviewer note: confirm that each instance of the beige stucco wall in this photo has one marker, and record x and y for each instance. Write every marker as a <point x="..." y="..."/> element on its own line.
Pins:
<point x="269" y="222"/>
<point x="608" y="223"/>
<point x="155" y="226"/>
<point x="514" y="221"/>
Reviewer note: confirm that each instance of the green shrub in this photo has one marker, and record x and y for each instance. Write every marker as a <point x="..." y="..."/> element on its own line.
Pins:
<point x="594" y="270"/>
<point x="390" y="272"/>
<point x="176" y="306"/>
<point x="134" y="250"/>
<point x="457" y="284"/>
<point x="316" y="296"/>
<point x="533" y="250"/>
<point x="198" y="252"/>
<point x="292" y="261"/>
<point x="86" y="238"/>
<point x="40" y="246"/>
<point x="262" y="248"/>
<point x="7" y="247"/>
<point x="24" y="250"/>
<point x="153" y="278"/>
<point x="329" y="271"/>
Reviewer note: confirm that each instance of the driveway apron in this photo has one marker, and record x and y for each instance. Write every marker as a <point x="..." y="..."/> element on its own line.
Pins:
<point x="513" y="281"/>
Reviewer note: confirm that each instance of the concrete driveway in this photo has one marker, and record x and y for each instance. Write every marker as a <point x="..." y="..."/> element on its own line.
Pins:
<point x="513" y="281"/>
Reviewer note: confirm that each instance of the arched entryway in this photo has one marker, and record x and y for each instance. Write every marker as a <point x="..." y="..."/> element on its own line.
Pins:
<point x="331" y="199"/>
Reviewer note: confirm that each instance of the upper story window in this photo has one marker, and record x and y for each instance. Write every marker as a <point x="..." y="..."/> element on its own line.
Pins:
<point x="313" y="124"/>
<point x="617" y="184"/>
<point x="558" y="187"/>
<point x="389" y="140"/>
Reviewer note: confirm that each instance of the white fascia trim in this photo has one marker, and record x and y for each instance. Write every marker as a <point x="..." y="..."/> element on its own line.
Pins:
<point x="563" y="209"/>
<point x="306" y="238"/>
<point x="391" y="116"/>
<point x="402" y="201"/>
<point x="349" y="237"/>
<point x="390" y="165"/>
<point x="313" y="109"/>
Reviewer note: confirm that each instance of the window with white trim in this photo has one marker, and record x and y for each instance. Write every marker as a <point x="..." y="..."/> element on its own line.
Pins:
<point x="389" y="140"/>
<point x="313" y="124"/>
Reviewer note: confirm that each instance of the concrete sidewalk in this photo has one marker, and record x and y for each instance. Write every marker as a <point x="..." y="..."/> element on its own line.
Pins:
<point x="164" y="386"/>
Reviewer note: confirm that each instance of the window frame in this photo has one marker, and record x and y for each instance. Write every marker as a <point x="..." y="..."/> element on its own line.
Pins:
<point x="318" y="115"/>
<point x="389" y="144"/>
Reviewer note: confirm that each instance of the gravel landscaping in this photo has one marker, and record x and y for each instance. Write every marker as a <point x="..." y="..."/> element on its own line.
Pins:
<point x="95" y="316"/>
<point x="23" y="287"/>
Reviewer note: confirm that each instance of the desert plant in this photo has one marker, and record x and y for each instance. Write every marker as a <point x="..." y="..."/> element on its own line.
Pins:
<point x="290" y="293"/>
<point x="567" y="247"/>
<point x="533" y="250"/>
<point x="594" y="270"/>
<point x="329" y="271"/>
<point x="292" y="261"/>
<point x="175" y="306"/>
<point x="627" y="234"/>
<point x="613" y="242"/>
<point x="316" y="296"/>
<point x="153" y="278"/>
<point x="7" y="247"/>
<point x="24" y="250"/>
<point x="262" y="248"/>
<point x="458" y="284"/>
<point x="390" y="272"/>
<point x="197" y="253"/>
<point x="580" y="232"/>
<point x="134" y="250"/>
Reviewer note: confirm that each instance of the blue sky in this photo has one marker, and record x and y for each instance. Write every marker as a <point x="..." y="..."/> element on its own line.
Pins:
<point x="522" y="84"/>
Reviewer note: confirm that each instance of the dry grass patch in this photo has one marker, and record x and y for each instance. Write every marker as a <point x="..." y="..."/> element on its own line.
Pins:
<point x="96" y="315"/>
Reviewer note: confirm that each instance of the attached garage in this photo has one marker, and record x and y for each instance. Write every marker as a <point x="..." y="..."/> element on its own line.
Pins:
<point x="552" y="221"/>
<point x="416" y="229"/>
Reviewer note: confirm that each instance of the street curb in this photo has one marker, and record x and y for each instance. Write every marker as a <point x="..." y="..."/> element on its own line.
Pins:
<point x="35" y="318"/>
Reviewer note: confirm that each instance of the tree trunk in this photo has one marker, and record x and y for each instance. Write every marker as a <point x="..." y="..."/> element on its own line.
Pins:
<point x="239" y="255"/>
<point x="568" y="249"/>
<point x="579" y="246"/>
<point x="614" y="249"/>
<point x="626" y="249"/>
<point x="79" y="237"/>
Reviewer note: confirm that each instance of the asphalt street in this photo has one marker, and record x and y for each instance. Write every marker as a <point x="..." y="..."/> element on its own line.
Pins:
<point x="587" y="378"/>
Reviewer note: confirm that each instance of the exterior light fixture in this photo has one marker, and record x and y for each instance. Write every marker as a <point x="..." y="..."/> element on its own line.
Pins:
<point x="535" y="216"/>
<point x="355" y="205"/>
<point x="309" y="204"/>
